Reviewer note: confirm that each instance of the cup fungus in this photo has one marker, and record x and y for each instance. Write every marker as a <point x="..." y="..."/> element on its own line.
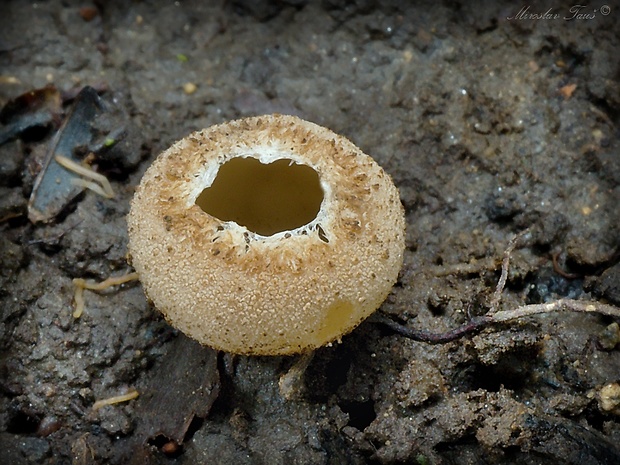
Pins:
<point x="267" y="235"/>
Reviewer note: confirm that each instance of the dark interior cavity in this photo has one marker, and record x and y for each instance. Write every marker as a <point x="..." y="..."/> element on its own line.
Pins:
<point x="265" y="198"/>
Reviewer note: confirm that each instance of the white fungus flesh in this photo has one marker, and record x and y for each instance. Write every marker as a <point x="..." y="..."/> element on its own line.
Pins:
<point x="267" y="235"/>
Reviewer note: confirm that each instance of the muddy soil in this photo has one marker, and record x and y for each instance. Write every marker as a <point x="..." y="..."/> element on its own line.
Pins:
<point x="492" y="118"/>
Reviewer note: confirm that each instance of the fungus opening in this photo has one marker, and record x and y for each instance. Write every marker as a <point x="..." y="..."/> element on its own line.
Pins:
<point x="265" y="198"/>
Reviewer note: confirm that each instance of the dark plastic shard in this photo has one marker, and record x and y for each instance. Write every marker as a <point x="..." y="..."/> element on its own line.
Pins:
<point x="53" y="189"/>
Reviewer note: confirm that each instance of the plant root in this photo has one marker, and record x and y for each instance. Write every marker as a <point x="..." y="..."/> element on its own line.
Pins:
<point x="495" y="316"/>
<point x="81" y="284"/>
<point x="104" y="188"/>
<point x="131" y="394"/>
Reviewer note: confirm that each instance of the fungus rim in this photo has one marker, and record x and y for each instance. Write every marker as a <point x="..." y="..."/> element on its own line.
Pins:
<point x="211" y="170"/>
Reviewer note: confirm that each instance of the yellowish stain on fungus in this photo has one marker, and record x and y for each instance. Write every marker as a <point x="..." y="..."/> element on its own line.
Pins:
<point x="337" y="316"/>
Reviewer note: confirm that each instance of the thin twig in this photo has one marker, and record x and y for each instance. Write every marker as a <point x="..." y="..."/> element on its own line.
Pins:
<point x="567" y="305"/>
<point x="558" y="269"/>
<point x="494" y="316"/>
<point x="477" y="324"/>
<point x="473" y="326"/>
<point x="497" y="295"/>
<point x="292" y="382"/>
<point x="474" y="267"/>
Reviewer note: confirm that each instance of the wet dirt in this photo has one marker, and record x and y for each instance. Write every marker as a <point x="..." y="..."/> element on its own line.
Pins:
<point x="490" y="120"/>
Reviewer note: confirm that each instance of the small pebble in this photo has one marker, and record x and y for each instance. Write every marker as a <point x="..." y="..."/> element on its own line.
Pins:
<point x="610" y="337"/>
<point x="189" y="88"/>
<point x="609" y="398"/>
<point x="88" y="13"/>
